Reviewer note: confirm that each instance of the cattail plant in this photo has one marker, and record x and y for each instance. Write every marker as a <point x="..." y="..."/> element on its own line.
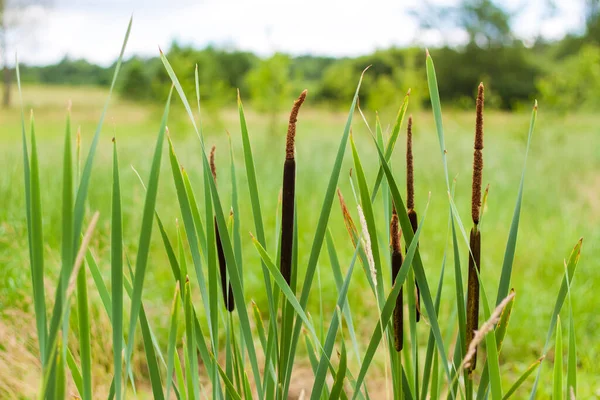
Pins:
<point x="227" y="291"/>
<point x="410" y="203"/>
<point x="475" y="239"/>
<point x="397" y="259"/>
<point x="288" y="193"/>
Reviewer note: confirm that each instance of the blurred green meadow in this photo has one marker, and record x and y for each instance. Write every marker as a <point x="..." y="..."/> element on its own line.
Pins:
<point x="561" y="204"/>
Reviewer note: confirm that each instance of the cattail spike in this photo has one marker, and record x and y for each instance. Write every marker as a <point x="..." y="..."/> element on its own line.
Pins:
<point x="477" y="159"/>
<point x="398" y="318"/>
<point x="291" y="133"/>
<point x="410" y="188"/>
<point x="213" y="168"/>
<point x="473" y="291"/>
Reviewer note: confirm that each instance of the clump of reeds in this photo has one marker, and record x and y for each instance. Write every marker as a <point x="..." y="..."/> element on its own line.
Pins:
<point x="288" y="193"/>
<point x="475" y="237"/>
<point x="410" y="203"/>
<point x="227" y="290"/>
<point x="397" y="259"/>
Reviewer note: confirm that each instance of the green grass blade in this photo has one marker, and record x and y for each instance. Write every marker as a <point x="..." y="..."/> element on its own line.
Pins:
<point x="232" y="269"/>
<point x="37" y="246"/>
<point x="557" y="381"/>
<point x="83" y="186"/>
<point x="560" y="299"/>
<point x="429" y="355"/>
<point x="283" y="286"/>
<point x="228" y="384"/>
<point x="370" y="219"/>
<point x="192" y="373"/>
<point x="390" y="302"/>
<point x="116" y="274"/>
<point x="502" y="325"/>
<point x="321" y="373"/>
<point x="339" y="282"/>
<point x="146" y="232"/>
<point x="75" y="373"/>
<point x="522" y="379"/>
<point x="153" y="369"/>
<point x="188" y="223"/>
<point x="180" y="378"/>
<point x="54" y="339"/>
<point x="417" y="264"/>
<point x="258" y="223"/>
<point x="509" y="253"/>
<point x="85" y="345"/>
<point x="572" y="357"/>
<point x="319" y="237"/>
<point x="338" y="383"/>
<point x="195" y="212"/>
<point x="172" y="343"/>
<point x="389" y="149"/>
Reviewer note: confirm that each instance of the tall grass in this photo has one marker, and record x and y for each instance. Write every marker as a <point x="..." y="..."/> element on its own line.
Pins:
<point x="260" y="353"/>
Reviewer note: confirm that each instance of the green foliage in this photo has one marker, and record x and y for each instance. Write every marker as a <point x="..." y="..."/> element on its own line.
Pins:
<point x="574" y="83"/>
<point x="269" y="83"/>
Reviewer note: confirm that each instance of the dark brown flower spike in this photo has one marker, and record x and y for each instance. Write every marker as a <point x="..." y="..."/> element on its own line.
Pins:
<point x="291" y="133"/>
<point x="477" y="158"/>
<point x="288" y="193"/>
<point x="227" y="290"/>
<point x="410" y="203"/>
<point x="475" y="237"/>
<point x="397" y="319"/>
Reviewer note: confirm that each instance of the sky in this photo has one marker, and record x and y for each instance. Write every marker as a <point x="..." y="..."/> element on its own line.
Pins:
<point x="94" y="30"/>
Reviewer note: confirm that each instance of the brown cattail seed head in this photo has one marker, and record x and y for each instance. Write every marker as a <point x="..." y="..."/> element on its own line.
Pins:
<point x="410" y="179"/>
<point x="291" y="133"/>
<point x="395" y="232"/>
<point x="477" y="158"/>
<point x="213" y="167"/>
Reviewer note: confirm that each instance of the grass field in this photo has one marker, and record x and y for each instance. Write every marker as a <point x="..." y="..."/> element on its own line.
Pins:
<point x="561" y="204"/>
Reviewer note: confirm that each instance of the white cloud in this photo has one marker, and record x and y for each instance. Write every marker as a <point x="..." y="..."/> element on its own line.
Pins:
<point x="94" y="30"/>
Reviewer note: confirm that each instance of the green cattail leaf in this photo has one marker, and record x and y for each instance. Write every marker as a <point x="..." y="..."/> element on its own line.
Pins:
<point x="153" y="369"/>
<point x="171" y="347"/>
<point x="522" y="379"/>
<point x="61" y="381"/>
<point x="503" y="323"/>
<point x="179" y="375"/>
<point x="560" y="299"/>
<point x="116" y="273"/>
<point x="429" y="371"/>
<point x="283" y="286"/>
<point x="260" y="231"/>
<point x="339" y="282"/>
<point x="557" y="381"/>
<point x="338" y="383"/>
<point x="572" y="357"/>
<point x="188" y="223"/>
<point x="389" y="149"/>
<point x="145" y="235"/>
<point x="85" y="345"/>
<point x="417" y="264"/>
<point x="228" y="384"/>
<point x="320" y="231"/>
<point x="195" y="213"/>
<point x="509" y="253"/>
<point x="37" y="250"/>
<point x="390" y="302"/>
<point x="192" y="370"/>
<point x="370" y="219"/>
<point x="75" y="372"/>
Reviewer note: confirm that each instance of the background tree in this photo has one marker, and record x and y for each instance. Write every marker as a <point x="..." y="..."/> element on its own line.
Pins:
<point x="17" y="18"/>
